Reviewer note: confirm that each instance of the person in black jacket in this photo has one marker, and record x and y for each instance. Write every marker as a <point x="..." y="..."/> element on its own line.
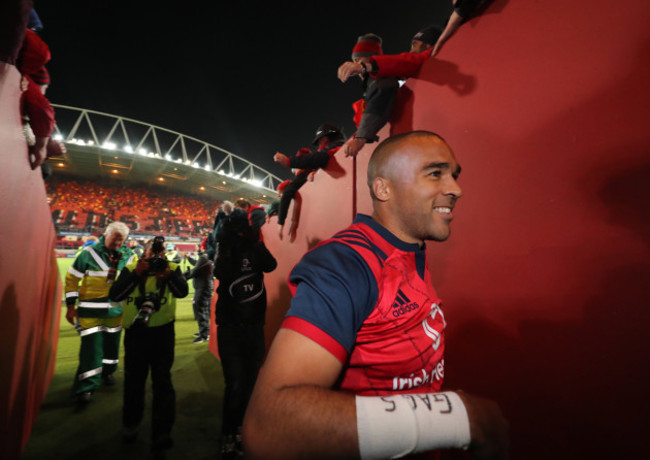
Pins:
<point x="240" y="316"/>
<point x="328" y="140"/>
<point x="201" y="276"/>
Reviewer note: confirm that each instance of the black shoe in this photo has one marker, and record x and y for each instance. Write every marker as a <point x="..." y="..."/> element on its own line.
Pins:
<point x="200" y="339"/>
<point x="108" y="379"/>
<point x="196" y="334"/>
<point x="84" y="397"/>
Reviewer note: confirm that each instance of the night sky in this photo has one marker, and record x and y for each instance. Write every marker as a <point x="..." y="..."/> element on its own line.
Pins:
<point x="250" y="77"/>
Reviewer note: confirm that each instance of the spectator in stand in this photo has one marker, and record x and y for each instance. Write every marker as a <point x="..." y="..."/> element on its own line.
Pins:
<point x="32" y="58"/>
<point x="373" y="111"/>
<point x="402" y="65"/>
<point x="201" y="276"/>
<point x="274" y="207"/>
<point x="328" y="140"/>
<point x="138" y="204"/>
<point x="42" y="76"/>
<point x="463" y="10"/>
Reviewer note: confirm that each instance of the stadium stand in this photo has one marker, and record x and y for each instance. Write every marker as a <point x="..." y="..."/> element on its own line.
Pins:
<point x="87" y="206"/>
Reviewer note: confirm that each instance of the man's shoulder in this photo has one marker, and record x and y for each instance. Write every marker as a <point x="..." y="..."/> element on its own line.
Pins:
<point x="348" y="250"/>
<point x="87" y="253"/>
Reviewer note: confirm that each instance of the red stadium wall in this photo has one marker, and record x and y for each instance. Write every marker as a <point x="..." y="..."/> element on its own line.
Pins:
<point x="30" y="287"/>
<point x="544" y="279"/>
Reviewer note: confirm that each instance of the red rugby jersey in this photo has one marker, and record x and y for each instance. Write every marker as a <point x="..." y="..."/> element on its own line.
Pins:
<point x="397" y="343"/>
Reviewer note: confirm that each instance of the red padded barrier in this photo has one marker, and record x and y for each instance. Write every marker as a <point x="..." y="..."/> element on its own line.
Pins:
<point x="30" y="287"/>
<point x="544" y="279"/>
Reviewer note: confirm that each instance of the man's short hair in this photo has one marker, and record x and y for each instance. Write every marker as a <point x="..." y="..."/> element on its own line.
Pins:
<point x="117" y="227"/>
<point x="385" y="148"/>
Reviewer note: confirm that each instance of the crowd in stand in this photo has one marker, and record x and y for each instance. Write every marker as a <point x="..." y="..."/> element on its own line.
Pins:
<point x="152" y="210"/>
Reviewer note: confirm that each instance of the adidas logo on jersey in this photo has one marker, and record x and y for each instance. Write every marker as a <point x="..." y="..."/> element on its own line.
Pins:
<point x="403" y="305"/>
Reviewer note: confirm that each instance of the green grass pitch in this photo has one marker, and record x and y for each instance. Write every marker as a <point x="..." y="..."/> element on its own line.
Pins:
<point x="63" y="430"/>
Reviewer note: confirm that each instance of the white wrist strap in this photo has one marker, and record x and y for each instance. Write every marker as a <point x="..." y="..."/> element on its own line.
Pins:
<point x="394" y="426"/>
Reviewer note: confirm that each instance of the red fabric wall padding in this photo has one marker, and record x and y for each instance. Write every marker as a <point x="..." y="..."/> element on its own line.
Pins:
<point x="544" y="279"/>
<point x="30" y="287"/>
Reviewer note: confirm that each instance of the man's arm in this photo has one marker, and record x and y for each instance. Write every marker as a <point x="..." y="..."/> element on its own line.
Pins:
<point x="126" y="282"/>
<point x="402" y="65"/>
<point x="41" y="120"/>
<point x="177" y="283"/>
<point x="72" y="279"/>
<point x="455" y="20"/>
<point x="463" y="9"/>
<point x="293" y="411"/>
<point x="192" y="261"/>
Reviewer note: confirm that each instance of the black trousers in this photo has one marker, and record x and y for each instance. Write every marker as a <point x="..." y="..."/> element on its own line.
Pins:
<point x="241" y="349"/>
<point x="144" y="349"/>
<point x="289" y="192"/>
<point x="201" y="307"/>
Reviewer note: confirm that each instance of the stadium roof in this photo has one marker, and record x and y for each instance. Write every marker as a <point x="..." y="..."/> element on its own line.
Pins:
<point x="109" y="146"/>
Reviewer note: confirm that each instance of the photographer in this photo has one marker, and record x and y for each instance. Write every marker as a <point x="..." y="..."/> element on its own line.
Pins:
<point x="240" y="316"/>
<point x="150" y="288"/>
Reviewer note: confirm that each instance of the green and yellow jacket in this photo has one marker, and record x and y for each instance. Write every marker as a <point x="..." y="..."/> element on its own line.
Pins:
<point x="91" y="268"/>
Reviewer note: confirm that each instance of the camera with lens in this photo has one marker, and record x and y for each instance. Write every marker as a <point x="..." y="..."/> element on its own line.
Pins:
<point x="158" y="262"/>
<point x="147" y="305"/>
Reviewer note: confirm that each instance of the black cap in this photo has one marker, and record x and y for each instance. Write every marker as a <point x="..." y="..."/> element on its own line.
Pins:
<point x="429" y="34"/>
<point x="330" y="130"/>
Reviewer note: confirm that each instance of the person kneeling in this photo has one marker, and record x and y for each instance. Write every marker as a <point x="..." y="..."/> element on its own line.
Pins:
<point x="150" y="287"/>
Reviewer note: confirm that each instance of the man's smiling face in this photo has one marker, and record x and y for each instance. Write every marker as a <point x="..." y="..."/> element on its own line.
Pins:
<point x="424" y="190"/>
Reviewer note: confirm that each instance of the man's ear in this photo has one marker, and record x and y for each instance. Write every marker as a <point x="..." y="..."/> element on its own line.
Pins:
<point x="381" y="188"/>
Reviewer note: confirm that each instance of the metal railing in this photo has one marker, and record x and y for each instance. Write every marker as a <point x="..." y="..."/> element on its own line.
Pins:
<point x="88" y="127"/>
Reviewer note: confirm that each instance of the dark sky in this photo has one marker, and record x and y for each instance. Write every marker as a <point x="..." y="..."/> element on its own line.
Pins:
<point x="250" y="77"/>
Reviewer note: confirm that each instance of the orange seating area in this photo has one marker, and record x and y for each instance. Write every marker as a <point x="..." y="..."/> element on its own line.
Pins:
<point x="82" y="205"/>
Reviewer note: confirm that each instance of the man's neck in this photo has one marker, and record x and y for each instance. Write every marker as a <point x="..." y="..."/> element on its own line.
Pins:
<point x="389" y="225"/>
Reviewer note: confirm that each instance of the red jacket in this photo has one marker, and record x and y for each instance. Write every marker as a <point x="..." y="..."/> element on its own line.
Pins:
<point x="33" y="56"/>
<point x="402" y="65"/>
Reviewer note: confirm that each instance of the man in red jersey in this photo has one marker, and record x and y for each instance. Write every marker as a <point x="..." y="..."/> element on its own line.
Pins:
<point x="356" y="369"/>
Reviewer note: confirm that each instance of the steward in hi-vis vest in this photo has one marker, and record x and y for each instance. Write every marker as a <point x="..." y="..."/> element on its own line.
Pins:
<point x="98" y="320"/>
